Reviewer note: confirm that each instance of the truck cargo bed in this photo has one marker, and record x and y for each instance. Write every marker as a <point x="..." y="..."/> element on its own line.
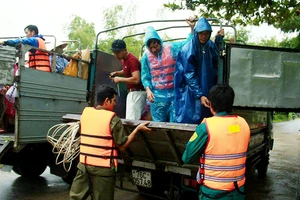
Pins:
<point x="163" y="148"/>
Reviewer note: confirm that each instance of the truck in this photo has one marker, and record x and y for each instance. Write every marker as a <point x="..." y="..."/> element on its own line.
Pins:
<point x="265" y="80"/>
<point x="42" y="98"/>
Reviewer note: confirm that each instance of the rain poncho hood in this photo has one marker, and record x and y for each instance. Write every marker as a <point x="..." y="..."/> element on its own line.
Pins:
<point x="196" y="73"/>
<point x="202" y="25"/>
<point x="151" y="33"/>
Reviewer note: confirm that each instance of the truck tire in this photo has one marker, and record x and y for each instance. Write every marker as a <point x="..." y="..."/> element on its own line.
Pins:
<point x="262" y="166"/>
<point x="69" y="178"/>
<point x="72" y="173"/>
<point x="29" y="171"/>
<point x="31" y="162"/>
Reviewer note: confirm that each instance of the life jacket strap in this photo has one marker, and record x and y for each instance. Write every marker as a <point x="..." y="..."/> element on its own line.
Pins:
<point x="98" y="156"/>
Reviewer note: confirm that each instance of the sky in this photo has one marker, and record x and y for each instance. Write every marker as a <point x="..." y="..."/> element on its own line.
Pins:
<point x="52" y="16"/>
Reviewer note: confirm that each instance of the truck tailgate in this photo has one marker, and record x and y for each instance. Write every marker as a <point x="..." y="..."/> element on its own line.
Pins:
<point x="43" y="98"/>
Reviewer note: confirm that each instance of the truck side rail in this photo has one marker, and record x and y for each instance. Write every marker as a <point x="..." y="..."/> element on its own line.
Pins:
<point x="272" y="82"/>
<point x="26" y="48"/>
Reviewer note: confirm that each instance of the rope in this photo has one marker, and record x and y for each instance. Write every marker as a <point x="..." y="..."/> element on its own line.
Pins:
<point x="66" y="144"/>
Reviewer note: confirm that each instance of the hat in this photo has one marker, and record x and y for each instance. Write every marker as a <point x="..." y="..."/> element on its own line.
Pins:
<point x="118" y="45"/>
<point x="62" y="45"/>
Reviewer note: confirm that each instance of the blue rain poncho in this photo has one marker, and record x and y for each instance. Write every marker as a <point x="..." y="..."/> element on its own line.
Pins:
<point x="158" y="72"/>
<point x="196" y="73"/>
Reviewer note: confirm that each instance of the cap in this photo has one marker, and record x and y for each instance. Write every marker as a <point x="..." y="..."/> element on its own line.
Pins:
<point x="118" y="45"/>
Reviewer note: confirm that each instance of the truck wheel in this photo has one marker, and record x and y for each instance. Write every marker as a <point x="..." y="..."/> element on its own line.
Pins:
<point x="262" y="166"/>
<point x="28" y="170"/>
<point x="69" y="178"/>
<point x="71" y="174"/>
<point x="31" y="162"/>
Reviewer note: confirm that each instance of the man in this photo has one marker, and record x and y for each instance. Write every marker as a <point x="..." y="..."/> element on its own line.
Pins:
<point x="158" y="67"/>
<point x="219" y="40"/>
<point x="131" y="69"/>
<point x="37" y="59"/>
<point x="61" y="62"/>
<point x="196" y="72"/>
<point x="102" y="133"/>
<point x="222" y="141"/>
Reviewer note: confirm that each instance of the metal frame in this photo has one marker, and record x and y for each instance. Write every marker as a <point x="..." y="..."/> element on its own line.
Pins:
<point x="94" y="56"/>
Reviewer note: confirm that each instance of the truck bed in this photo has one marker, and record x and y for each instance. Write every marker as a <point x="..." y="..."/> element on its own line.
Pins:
<point x="163" y="148"/>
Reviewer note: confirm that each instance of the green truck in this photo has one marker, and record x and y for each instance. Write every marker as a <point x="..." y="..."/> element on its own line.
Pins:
<point x="265" y="80"/>
<point x="42" y="99"/>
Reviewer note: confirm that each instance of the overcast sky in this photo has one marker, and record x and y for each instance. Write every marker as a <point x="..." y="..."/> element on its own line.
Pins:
<point x="52" y="16"/>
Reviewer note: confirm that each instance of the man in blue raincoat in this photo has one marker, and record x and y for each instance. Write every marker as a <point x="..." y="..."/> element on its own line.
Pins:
<point x="157" y="73"/>
<point x="196" y="73"/>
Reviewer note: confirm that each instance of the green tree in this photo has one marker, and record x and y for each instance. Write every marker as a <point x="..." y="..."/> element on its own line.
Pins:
<point x="272" y="42"/>
<point x="242" y="36"/>
<point x="111" y="17"/>
<point x="283" y="14"/>
<point x="79" y="29"/>
<point x="291" y="43"/>
<point x="118" y="16"/>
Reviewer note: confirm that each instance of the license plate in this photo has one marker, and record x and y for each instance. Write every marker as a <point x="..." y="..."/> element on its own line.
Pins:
<point x="141" y="178"/>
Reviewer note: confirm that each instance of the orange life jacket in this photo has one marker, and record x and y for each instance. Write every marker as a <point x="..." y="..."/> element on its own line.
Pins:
<point x="40" y="59"/>
<point x="97" y="147"/>
<point x="162" y="68"/>
<point x="223" y="162"/>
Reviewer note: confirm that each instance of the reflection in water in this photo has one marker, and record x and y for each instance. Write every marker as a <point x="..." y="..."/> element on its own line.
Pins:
<point x="38" y="181"/>
<point x="46" y="187"/>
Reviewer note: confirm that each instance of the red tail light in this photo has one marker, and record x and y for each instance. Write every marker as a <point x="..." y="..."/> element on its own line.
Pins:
<point x="191" y="183"/>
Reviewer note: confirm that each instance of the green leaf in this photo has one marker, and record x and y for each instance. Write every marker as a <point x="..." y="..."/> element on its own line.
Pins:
<point x="284" y="15"/>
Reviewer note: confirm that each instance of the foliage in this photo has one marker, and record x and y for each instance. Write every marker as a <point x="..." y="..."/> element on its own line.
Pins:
<point x="134" y="45"/>
<point x="280" y="116"/>
<point x="272" y="42"/>
<point x="283" y="116"/>
<point x="283" y="14"/>
<point x="79" y="29"/>
<point x="242" y="36"/>
<point x="116" y="17"/>
<point x="293" y="43"/>
<point x="111" y="17"/>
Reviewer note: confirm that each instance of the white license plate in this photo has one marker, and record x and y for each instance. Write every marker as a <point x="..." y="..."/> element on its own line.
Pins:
<point x="141" y="178"/>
